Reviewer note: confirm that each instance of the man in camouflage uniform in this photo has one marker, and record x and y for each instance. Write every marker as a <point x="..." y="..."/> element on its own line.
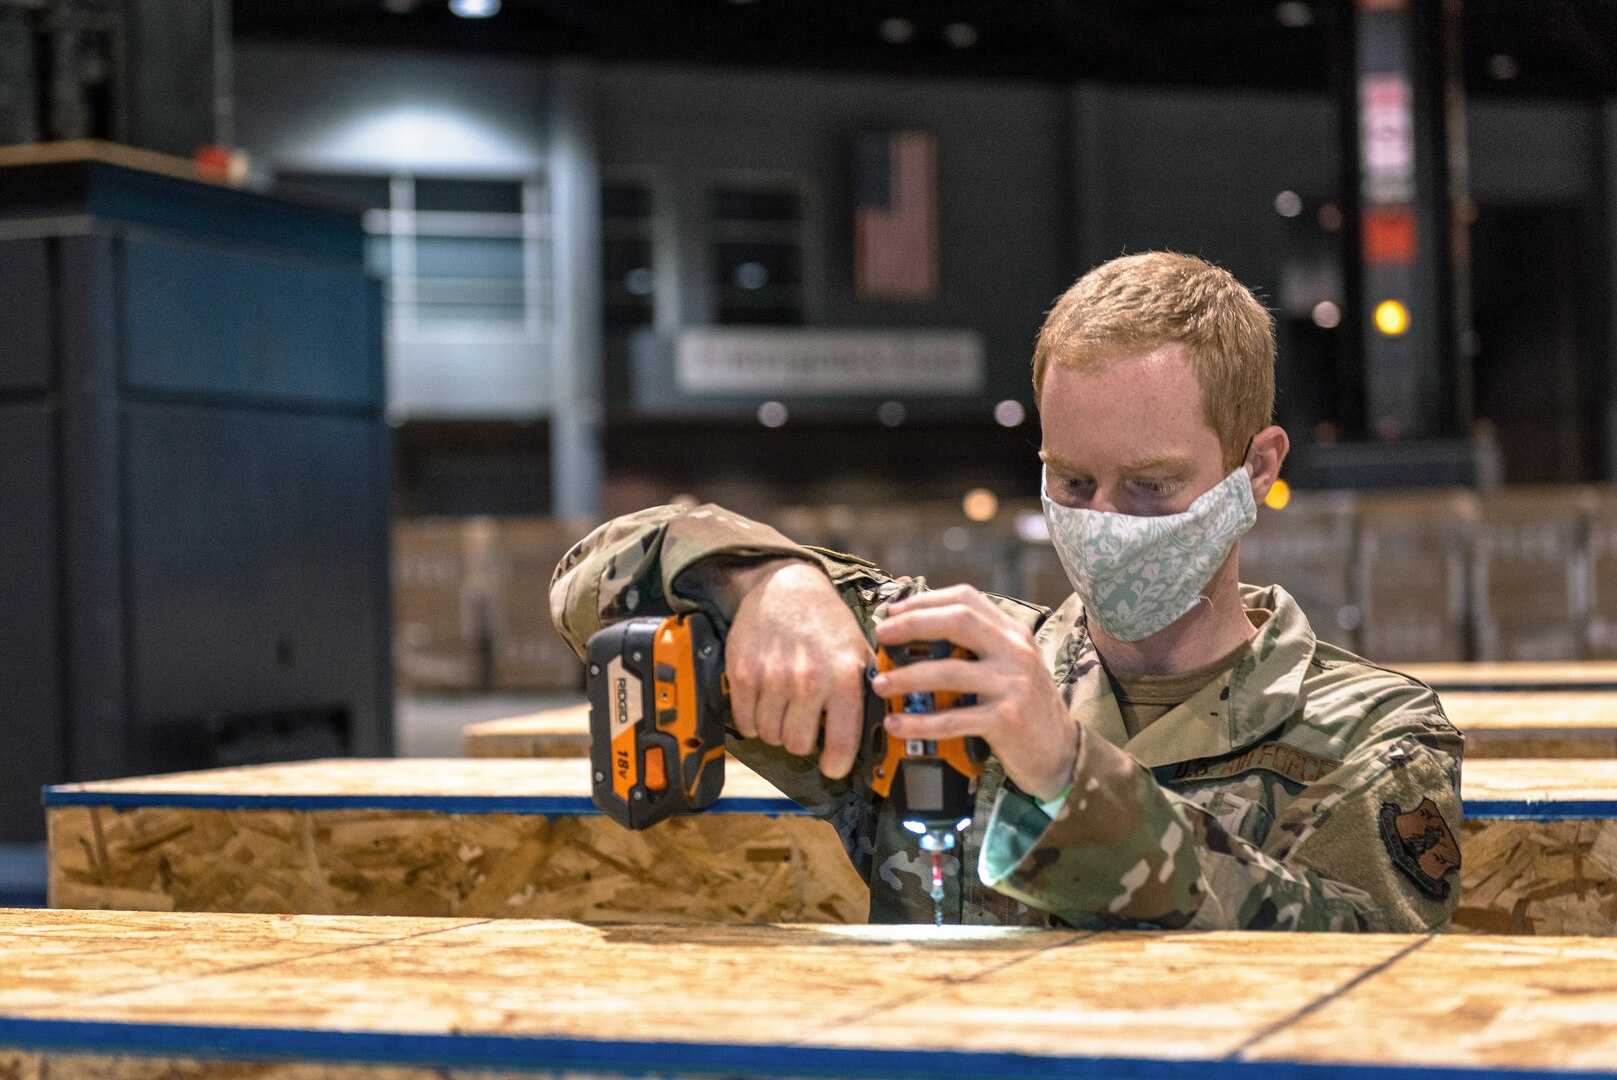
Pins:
<point x="1227" y="770"/>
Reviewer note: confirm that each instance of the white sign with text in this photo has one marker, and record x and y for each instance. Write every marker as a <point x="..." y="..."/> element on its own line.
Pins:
<point x="737" y="360"/>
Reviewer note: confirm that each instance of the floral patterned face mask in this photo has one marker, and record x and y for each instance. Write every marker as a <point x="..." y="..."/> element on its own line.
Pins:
<point x="1137" y="575"/>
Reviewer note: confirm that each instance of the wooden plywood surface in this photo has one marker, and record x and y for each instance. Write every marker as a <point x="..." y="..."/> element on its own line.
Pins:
<point x="1497" y="1003"/>
<point x="510" y="785"/>
<point x="1506" y="676"/>
<point x="562" y="733"/>
<point x="785" y="1001"/>
<point x="1555" y="723"/>
<point x="563" y="786"/>
<point x="1555" y="786"/>
<point x="519" y="839"/>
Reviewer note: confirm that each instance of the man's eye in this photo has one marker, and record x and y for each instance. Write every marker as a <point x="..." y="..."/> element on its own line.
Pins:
<point x="1156" y="487"/>
<point x="1080" y="488"/>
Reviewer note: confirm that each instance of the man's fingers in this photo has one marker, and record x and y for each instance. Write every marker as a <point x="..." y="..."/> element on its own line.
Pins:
<point x="844" y="726"/>
<point x="954" y="594"/>
<point x="961" y="676"/>
<point x="945" y="724"/>
<point x="800" y="726"/>
<point x="743" y="708"/>
<point x="769" y="714"/>
<point x="964" y="626"/>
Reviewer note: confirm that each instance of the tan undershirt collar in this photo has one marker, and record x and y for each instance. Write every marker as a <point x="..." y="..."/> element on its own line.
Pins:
<point x="1144" y="699"/>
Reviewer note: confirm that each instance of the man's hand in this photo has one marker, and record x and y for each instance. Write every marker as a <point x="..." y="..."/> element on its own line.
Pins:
<point x="795" y="653"/>
<point x="1018" y="709"/>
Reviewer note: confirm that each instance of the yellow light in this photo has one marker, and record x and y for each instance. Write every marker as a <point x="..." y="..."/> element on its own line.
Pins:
<point x="1279" y="495"/>
<point x="1392" y="318"/>
<point x="980" y="504"/>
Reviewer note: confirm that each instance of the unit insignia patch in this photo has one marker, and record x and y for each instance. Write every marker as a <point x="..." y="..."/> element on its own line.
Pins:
<point x="1421" y="845"/>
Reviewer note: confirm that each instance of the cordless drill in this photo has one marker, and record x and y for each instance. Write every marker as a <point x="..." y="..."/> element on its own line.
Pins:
<point x="660" y="704"/>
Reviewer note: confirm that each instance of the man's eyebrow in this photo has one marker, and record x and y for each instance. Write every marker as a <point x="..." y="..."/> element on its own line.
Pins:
<point x="1059" y="462"/>
<point x="1150" y="464"/>
<point x="1161" y="461"/>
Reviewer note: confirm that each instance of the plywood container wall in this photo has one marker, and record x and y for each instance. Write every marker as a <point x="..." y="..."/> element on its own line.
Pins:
<point x="709" y="868"/>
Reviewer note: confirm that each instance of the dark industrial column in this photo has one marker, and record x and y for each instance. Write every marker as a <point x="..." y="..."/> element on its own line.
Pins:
<point x="1414" y="311"/>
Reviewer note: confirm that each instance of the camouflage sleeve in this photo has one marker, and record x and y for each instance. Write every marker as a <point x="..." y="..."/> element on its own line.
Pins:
<point x="1124" y="848"/>
<point x="666" y="560"/>
<point x="655" y="562"/>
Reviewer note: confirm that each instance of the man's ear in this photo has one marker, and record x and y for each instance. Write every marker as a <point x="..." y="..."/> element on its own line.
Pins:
<point x="1269" y="449"/>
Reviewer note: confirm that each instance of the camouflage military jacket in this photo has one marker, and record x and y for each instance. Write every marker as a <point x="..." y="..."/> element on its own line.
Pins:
<point x="1305" y="789"/>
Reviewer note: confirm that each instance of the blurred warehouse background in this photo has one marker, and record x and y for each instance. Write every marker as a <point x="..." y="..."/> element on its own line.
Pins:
<point x="484" y="273"/>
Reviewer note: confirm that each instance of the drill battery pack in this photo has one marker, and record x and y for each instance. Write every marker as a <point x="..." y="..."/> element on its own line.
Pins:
<point x="659" y="706"/>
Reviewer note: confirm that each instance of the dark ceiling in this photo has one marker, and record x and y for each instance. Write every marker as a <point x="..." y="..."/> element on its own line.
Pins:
<point x="1538" y="47"/>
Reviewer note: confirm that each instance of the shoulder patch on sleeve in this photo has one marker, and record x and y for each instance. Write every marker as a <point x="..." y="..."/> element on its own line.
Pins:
<point x="1421" y="845"/>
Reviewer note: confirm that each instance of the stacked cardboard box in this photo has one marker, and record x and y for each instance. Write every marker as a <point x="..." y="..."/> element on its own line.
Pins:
<point x="471" y="597"/>
<point x="1530" y="575"/>
<point x="1412" y="574"/>
<point x="438" y="618"/>
<point x="1307" y="548"/>
<point x="526" y="652"/>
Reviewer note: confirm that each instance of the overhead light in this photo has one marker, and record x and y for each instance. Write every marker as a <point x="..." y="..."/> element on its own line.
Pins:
<point x="475" y="9"/>
<point x="772" y="414"/>
<point x="1327" y="315"/>
<point x="961" y="35"/>
<point x="896" y="31"/>
<point x="1288" y="204"/>
<point x="891" y="413"/>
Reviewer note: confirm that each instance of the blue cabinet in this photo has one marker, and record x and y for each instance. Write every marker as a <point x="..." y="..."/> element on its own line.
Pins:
<point x="194" y="482"/>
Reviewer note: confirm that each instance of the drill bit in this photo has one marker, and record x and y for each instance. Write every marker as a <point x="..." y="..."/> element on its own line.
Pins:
<point x="937" y="886"/>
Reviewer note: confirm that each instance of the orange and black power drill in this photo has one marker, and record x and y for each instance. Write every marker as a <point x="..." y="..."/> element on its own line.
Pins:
<point x="660" y="704"/>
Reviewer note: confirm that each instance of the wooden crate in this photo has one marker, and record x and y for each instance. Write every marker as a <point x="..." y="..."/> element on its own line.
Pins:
<point x="438" y="837"/>
<point x="1535" y="725"/>
<point x="520" y="839"/>
<point x="1539" y="847"/>
<point x="554" y="733"/>
<point x="1496" y="725"/>
<point x="1522" y="676"/>
<point x="421" y="998"/>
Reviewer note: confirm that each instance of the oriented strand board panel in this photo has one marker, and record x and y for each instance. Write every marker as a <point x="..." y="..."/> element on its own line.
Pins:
<point x="786" y="1001"/>
<point x="439" y="837"/>
<point x="1483" y="1003"/>
<point x="1540" y="848"/>
<point x="558" y="733"/>
<point x="1557" y="723"/>
<point x="1514" y="675"/>
<point x="519" y="838"/>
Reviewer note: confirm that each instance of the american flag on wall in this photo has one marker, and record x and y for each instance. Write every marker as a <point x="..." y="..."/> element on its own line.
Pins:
<point x="895" y="216"/>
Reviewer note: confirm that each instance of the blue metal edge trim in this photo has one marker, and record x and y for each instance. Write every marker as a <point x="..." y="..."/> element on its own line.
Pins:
<point x="1539" y="810"/>
<point x="670" y="1058"/>
<point x="538" y="805"/>
<point x="1523" y="688"/>
<point x="577" y="805"/>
